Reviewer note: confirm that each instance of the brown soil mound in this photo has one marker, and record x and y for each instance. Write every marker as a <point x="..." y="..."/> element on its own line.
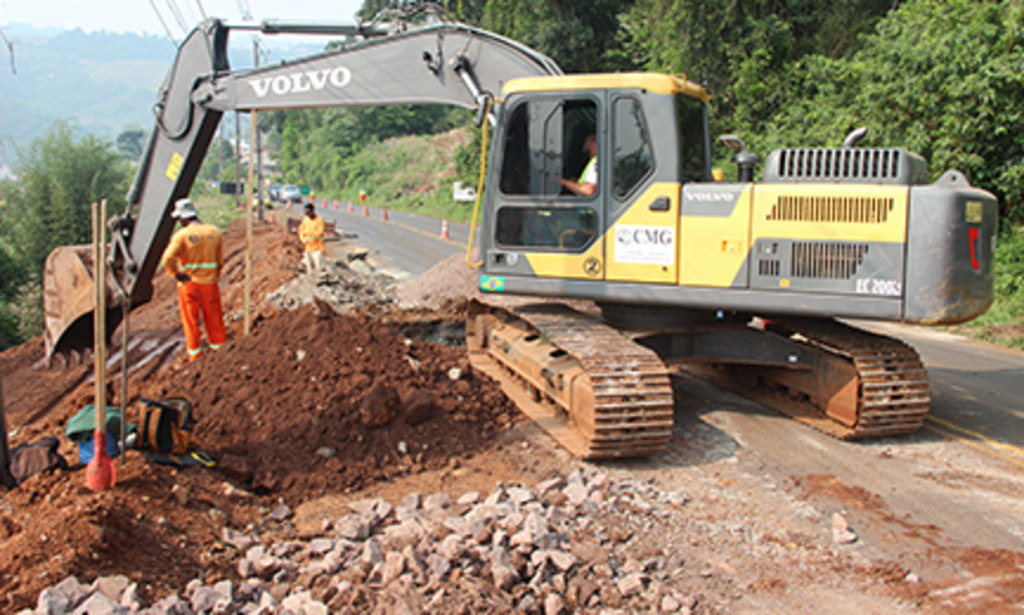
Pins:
<point x="287" y="402"/>
<point x="283" y="408"/>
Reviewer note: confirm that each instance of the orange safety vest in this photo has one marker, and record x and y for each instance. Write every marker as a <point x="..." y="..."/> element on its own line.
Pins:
<point x="311" y="233"/>
<point x="198" y="250"/>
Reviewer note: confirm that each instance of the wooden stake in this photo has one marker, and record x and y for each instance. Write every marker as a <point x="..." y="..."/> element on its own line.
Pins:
<point x="5" y="461"/>
<point x="99" y="473"/>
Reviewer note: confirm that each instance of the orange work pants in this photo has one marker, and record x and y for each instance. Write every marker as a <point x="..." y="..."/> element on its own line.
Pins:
<point x="205" y="298"/>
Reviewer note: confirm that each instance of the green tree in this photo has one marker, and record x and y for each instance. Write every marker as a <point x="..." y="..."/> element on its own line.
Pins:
<point x="581" y="35"/>
<point x="60" y="175"/>
<point x="131" y="143"/>
<point x="745" y="52"/>
<point x="942" y="78"/>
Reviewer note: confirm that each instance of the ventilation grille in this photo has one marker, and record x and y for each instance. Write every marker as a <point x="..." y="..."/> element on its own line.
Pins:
<point x="841" y="163"/>
<point x="831" y="209"/>
<point x="768" y="268"/>
<point x="835" y="261"/>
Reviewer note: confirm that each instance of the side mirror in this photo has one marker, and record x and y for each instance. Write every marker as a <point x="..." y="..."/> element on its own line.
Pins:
<point x="745" y="161"/>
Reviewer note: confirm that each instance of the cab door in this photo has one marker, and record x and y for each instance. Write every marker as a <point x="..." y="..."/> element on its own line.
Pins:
<point x="644" y="213"/>
<point x="538" y="228"/>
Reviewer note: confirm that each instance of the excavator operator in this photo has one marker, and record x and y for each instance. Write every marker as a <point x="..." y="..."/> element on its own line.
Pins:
<point x="195" y="257"/>
<point x="587" y="183"/>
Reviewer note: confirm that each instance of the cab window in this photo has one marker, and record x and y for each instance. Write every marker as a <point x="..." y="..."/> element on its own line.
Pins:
<point x="544" y="141"/>
<point x="690" y="122"/>
<point x="556" y="228"/>
<point x="632" y="146"/>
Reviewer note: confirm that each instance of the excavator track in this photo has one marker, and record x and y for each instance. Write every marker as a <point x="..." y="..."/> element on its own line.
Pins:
<point x="867" y="385"/>
<point x="597" y="393"/>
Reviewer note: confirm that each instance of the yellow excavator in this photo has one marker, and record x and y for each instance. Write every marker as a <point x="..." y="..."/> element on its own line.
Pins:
<point x="741" y="281"/>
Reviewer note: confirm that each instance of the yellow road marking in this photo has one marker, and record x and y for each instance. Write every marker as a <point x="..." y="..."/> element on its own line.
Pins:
<point x="987" y="445"/>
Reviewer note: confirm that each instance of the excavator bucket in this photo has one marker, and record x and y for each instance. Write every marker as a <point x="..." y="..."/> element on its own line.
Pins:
<point x="69" y="302"/>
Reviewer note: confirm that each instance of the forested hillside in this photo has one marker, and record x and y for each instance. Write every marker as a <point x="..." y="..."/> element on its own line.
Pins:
<point x="104" y="80"/>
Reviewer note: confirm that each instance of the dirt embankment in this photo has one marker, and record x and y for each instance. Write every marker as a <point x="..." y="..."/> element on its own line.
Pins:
<point x="285" y="408"/>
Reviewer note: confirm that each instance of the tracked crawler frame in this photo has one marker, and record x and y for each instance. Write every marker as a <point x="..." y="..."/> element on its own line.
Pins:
<point x="848" y="383"/>
<point x="603" y="394"/>
<point x="599" y="394"/>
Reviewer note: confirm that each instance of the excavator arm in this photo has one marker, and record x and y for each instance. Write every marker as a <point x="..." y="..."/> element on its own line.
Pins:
<point x="388" y="64"/>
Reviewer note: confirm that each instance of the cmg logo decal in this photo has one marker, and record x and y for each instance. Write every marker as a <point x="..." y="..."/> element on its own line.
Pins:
<point x="645" y="245"/>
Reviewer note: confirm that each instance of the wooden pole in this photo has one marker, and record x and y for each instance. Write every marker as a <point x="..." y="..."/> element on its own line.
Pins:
<point x="100" y="318"/>
<point x="126" y="308"/>
<point x="5" y="460"/>
<point x="253" y="161"/>
<point x="99" y="474"/>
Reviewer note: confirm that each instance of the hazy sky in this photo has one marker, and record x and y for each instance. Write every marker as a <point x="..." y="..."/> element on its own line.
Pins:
<point x="179" y="15"/>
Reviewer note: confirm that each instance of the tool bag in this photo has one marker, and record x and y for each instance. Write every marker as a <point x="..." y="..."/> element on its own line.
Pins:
<point x="166" y="426"/>
<point x="42" y="456"/>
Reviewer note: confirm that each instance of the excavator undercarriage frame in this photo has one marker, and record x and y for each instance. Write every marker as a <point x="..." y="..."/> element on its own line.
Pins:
<point x="604" y="393"/>
<point x="596" y="392"/>
<point x="848" y="383"/>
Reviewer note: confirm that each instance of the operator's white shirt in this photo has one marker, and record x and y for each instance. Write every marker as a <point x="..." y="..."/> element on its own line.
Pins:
<point x="589" y="175"/>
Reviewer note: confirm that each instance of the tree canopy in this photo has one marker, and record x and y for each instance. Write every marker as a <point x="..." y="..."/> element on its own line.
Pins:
<point x="60" y="175"/>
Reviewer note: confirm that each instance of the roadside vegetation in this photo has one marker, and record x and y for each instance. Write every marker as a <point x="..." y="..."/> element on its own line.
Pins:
<point x="1003" y="323"/>
<point x="943" y="78"/>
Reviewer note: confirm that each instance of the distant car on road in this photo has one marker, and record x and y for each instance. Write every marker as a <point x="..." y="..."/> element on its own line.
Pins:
<point x="291" y="193"/>
<point x="274" y="192"/>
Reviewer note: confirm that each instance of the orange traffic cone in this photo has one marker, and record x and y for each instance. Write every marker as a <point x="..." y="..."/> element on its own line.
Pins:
<point x="444" y="229"/>
<point x="366" y="210"/>
<point x="384" y="215"/>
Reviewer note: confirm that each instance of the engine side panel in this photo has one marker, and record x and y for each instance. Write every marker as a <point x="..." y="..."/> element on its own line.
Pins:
<point x="715" y="230"/>
<point x="843" y="239"/>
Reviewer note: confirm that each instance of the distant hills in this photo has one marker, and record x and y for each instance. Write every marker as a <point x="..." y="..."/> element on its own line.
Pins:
<point x="106" y="81"/>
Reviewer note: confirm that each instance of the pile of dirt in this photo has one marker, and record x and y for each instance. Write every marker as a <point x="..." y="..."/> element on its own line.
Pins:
<point x="288" y="409"/>
<point x="450" y="279"/>
<point x="38" y="400"/>
<point x="315" y="402"/>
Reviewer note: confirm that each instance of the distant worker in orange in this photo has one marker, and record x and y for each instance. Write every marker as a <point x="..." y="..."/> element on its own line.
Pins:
<point x="311" y="234"/>
<point x="195" y="258"/>
<point x="362" y="197"/>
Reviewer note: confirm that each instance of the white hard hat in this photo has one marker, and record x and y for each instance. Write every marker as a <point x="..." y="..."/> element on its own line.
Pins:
<point x="184" y="208"/>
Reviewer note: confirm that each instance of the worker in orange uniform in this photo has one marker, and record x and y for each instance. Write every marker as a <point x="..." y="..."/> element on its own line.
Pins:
<point x="195" y="258"/>
<point x="311" y="234"/>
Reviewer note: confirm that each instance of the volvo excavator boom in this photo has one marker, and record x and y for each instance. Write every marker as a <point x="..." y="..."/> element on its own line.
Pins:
<point x="383" y="64"/>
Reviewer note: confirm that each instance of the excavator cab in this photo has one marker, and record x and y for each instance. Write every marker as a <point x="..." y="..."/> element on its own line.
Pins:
<point x="651" y="139"/>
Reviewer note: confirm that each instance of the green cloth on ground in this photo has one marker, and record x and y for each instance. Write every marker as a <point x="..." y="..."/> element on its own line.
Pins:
<point x="83" y="424"/>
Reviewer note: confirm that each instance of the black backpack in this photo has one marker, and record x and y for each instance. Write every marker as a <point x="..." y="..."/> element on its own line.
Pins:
<point x="166" y="426"/>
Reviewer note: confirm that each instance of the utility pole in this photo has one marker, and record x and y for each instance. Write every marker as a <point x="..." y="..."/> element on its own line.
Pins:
<point x="238" y="159"/>
<point x="253" y="161"/>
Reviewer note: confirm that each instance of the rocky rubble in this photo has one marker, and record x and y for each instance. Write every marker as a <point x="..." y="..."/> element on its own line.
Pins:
<point x="343" y="286"/>
<point x="562" y="545"/>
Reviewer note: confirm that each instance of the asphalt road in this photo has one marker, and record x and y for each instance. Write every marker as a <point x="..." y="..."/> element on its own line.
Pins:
<point x="960" y="478"/>
<point x="404" y="244"/>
